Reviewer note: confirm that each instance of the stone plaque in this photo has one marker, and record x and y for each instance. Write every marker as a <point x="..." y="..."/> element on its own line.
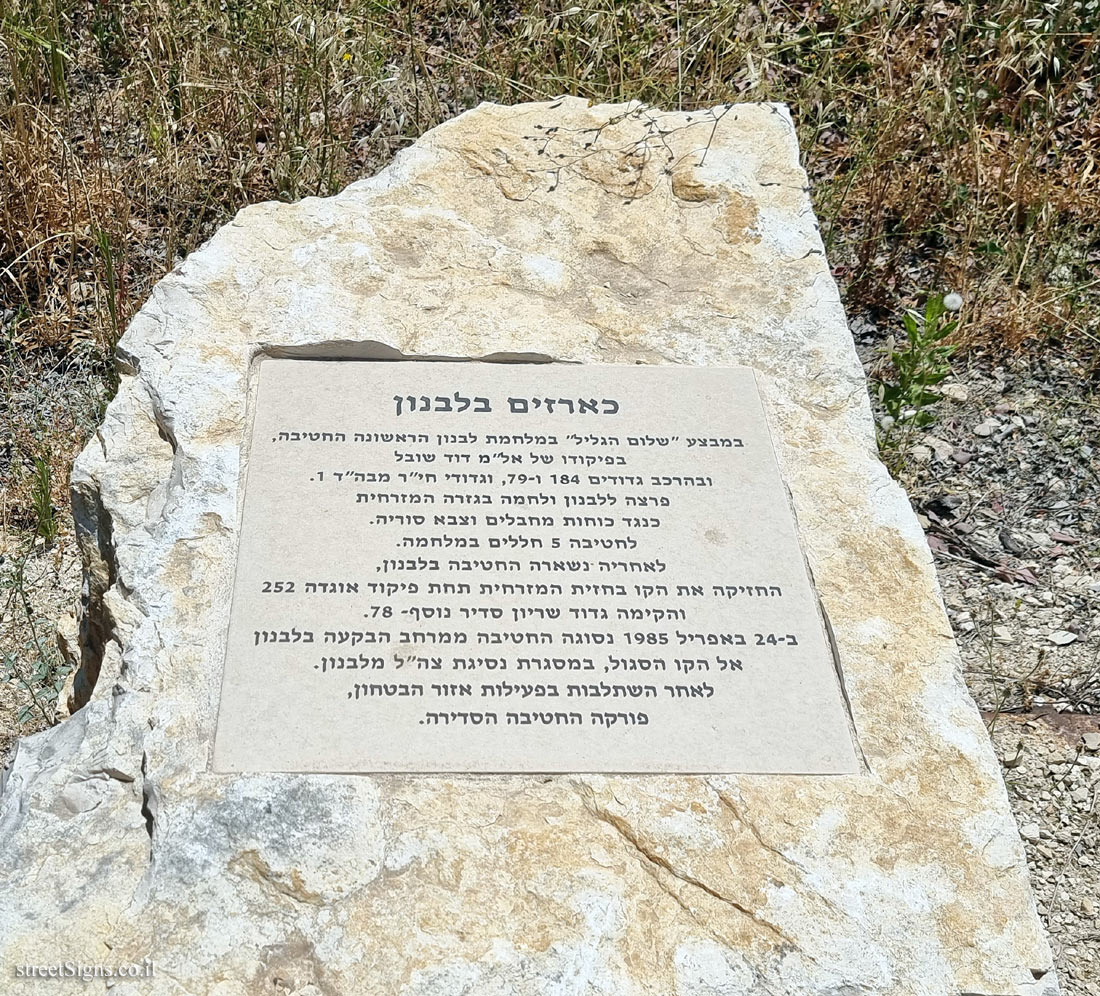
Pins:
<point x="510" y="567"/>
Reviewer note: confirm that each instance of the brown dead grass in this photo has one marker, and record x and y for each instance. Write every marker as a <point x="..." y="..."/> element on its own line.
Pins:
<point x="951" y="144"/>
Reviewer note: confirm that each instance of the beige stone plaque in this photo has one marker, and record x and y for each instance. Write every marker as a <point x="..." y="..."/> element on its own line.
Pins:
<point x="510" y="567"/>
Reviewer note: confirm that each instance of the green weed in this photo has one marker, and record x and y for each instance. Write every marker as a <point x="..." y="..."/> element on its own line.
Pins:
<point x="42" y="496"/>
<point x="916" y="367"/>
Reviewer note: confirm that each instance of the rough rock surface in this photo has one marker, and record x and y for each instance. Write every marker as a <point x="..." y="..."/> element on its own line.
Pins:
<point x="612" y="234"/>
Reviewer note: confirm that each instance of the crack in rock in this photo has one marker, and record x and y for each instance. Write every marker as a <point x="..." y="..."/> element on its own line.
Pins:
<point x="654" y="861"/>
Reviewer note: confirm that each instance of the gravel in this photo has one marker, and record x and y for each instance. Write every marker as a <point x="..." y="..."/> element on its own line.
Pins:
<point x="1008" y="496"/>
<point x="1054" y="788"/>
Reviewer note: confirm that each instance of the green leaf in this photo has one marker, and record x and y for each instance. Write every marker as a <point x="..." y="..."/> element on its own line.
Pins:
<point x="933" y="308"/>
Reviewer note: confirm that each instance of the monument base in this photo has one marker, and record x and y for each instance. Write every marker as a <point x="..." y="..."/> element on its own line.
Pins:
<point x="609" y="234"/>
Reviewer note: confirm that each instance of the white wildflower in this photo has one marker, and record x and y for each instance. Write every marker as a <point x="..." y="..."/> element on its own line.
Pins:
<point x="952" y="301"/>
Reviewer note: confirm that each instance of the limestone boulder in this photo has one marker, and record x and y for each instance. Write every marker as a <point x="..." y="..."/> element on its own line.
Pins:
<point x="612" y="234"/>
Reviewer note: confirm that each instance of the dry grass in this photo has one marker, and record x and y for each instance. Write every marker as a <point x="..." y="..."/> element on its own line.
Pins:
<point x="963" y="137"/>
<point x="952" y="146"/>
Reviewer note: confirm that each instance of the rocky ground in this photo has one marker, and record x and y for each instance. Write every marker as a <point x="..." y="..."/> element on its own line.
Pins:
<point x="39" y="597"/>
<point x="48" y="408"/>
<point x="1054" y="781"/>
<point x="1006" y="483"/>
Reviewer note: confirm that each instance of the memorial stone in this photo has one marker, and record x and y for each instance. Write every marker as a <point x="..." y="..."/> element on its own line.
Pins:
<point x="515" y="571"/>
<point x="823" y="816"/>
